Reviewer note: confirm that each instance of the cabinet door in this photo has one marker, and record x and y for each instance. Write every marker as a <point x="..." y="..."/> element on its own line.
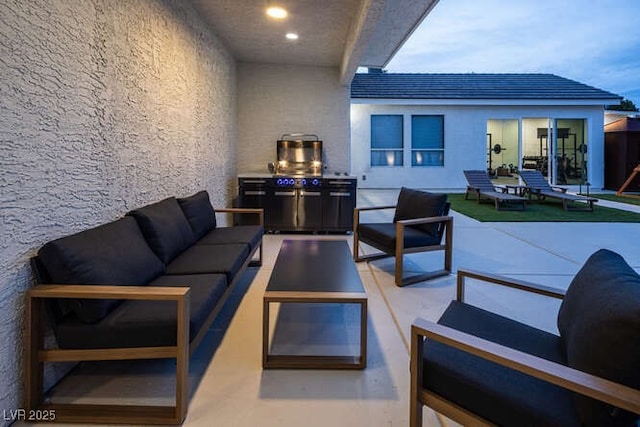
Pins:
<point x="309" y="210"/>
<point x="251" y="194"/>
<point x="338" y="203"/>
<point x="281" y="209"/>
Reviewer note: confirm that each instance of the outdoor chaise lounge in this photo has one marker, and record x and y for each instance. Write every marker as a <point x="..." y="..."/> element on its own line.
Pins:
<point x="479" y="183"/>
<point x="538" y="186"/>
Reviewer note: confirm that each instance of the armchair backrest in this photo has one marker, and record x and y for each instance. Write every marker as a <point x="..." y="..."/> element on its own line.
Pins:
<point x="599" y="324"/>
<point x="413" y="204"/>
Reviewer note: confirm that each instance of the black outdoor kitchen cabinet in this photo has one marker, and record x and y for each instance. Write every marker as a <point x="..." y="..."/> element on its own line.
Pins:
<point x="301" y="204"/>
<point x="338" y="203"/>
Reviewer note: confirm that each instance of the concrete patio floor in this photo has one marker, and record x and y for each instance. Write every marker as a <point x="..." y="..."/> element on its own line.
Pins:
<point x="229" y="387"/>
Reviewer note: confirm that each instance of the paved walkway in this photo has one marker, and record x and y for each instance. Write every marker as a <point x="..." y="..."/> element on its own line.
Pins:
<point x="549" y="253"/>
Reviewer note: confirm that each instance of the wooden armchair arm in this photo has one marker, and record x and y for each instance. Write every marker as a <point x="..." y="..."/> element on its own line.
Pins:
<point x="376" y="208"/>
<point x="109" y="292"/>
<point x="580" y="382"/>
<point x="428" y="220"/>
<point x="356" y="213"/>
<point x="505" y="281"/>
<point x="254" y="211"/>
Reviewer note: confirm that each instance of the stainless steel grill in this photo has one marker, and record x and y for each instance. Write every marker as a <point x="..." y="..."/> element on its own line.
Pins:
<point x="299" y="155"/>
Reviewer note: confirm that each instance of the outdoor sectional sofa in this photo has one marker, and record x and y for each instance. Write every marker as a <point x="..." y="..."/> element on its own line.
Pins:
<point x="145" y="286"/>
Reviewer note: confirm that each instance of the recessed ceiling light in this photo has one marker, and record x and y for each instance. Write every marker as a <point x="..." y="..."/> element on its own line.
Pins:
<point x="277" y="12"/>
<point x="292" y="36"/>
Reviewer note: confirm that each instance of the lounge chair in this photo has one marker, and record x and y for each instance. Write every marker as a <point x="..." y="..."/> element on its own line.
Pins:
<point x="479" y="183"/>
<point x="538" y="186"/>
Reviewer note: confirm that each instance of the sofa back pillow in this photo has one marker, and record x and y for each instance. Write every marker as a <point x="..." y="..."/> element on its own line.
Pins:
<point x="165" y="228"/>
<point x="199" y="212"/>
<point x="414" y="204"/>
<point x="599" y="324"/>
<point x="111" y="254"/>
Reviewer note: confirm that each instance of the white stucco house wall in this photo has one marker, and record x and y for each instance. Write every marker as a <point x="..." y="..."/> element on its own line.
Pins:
<point x="434" y="126"/>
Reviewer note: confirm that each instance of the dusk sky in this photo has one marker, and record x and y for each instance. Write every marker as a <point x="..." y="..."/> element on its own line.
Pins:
<point x="595" y="42"/>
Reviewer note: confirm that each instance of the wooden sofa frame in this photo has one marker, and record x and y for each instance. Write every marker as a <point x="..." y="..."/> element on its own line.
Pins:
<point x="36" y="355"/>
<point x="401" y="250"/>
<point x="580" y="382"/>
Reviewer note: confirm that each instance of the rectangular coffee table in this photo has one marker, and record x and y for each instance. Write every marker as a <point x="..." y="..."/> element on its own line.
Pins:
<point x="312" y="272"/>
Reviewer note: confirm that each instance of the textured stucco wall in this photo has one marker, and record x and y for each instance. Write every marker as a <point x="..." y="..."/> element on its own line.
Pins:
<point x="104" y="106"/>
<point x="276" y="99"/>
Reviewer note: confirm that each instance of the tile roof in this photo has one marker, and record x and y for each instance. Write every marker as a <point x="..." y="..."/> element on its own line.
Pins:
<point x="473" y="86"/>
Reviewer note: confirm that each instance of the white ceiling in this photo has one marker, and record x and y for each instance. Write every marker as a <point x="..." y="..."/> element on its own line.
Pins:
<point x="333" y="33"/>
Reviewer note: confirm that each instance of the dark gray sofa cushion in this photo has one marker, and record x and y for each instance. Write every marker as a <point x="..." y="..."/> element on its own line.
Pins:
<point x="199" y="212"/>
<point x="414" y="204"/>
<point x="599" y="322"/>
<point x="165" y="228"/>
<point x="205" y="259"/>
<point x="115" y="253"/>
<point x="248" y="234"/>
<point x="498" y="394"/>
<point x="137" y="323"/>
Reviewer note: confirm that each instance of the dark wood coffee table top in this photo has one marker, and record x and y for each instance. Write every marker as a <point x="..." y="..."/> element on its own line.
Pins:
<point x="315" y="266"/>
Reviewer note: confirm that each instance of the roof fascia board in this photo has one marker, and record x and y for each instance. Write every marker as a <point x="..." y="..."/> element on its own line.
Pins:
<point x="487" y="102"/>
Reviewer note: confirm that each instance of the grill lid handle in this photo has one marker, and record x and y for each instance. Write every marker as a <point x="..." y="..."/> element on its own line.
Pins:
<point x="299" y="137"/>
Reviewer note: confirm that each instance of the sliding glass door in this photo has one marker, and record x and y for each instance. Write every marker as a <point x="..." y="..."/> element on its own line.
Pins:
<point x="556" y="147"/>
<point x="570" y="152"/>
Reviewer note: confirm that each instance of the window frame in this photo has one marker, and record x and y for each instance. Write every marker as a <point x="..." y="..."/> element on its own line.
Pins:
<point x="427" y="150"/>
<point x="398" y="152"/>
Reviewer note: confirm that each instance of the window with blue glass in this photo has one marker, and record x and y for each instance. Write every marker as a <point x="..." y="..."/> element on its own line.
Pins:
<point x="387" y="140"/>
<point x="427" y="140"/>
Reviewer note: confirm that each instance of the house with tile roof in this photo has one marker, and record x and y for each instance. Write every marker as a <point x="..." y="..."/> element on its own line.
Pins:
<point x="423" y="130"/>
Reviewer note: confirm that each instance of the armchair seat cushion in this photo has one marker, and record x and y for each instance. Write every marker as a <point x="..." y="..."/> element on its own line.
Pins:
<point x="383" y="236"/>
<point x="210" y="259"/>
<point x="496" y="393"/>
<point x="141" y="323"/>
<point x="248" y="234"/>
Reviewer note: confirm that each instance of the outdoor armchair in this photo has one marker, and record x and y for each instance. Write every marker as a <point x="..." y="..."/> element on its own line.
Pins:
<point x="420" y="224"/>
<point x="480" y="368"/>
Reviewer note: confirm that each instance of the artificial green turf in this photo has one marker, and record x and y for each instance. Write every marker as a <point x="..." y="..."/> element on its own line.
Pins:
<point x="547" y="211"/>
